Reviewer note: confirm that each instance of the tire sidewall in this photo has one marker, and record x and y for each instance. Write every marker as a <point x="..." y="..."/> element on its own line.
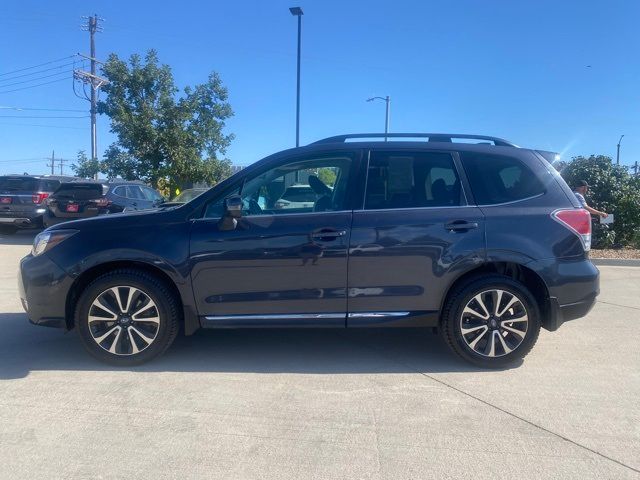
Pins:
<point x="471" y="290"/>
<point x="150" y="288"/>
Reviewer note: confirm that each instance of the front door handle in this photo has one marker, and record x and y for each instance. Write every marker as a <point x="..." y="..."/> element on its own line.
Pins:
<point x="460" y="225"/>
<point x="327" y="234"/>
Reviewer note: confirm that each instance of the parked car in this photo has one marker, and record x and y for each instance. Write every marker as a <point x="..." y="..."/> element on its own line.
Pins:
<point x="301" y="195"/>
<point x="484" y="242"/>
<point x="185" y="196"/>
<point x="22" y="200"/>
<point x="74" y="200"/>
<point x="131" y="196"/>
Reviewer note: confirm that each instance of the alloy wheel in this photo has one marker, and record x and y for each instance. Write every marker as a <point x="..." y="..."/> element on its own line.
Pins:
<point x="494" y="323"/>
<point x="124" y="320"/>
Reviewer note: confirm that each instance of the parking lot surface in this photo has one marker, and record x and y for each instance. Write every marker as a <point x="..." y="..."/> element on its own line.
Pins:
<point x="322" y="404"/>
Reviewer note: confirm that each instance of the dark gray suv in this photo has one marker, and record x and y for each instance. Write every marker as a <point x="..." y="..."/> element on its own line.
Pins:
<point x="470" y="235"/>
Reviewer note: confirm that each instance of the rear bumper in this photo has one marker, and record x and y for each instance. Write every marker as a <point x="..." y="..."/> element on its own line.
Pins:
<point x="573" y="285"/>
<point x="43" y="288"/>
<point x="22" y="219"/>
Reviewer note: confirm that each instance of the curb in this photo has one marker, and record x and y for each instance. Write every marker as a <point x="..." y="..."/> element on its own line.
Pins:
<point x="616" y="262"/>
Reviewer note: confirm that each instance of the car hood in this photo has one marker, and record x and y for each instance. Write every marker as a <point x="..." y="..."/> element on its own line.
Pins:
<point x="119" y="220"/>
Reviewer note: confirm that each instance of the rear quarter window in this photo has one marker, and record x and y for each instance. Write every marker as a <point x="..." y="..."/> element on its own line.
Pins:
<point x="499" y="179"/>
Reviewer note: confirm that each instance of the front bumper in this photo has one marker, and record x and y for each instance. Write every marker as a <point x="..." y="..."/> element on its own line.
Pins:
<point x="573" y="285"/>
<point x="43" y="288"/>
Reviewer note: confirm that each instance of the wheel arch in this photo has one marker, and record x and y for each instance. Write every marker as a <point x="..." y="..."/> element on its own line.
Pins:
<point x="516" y="271"/>
<point x="190" y="320"/>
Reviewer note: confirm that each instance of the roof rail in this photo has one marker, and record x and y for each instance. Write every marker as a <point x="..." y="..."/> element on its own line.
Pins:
<point x="432" y="137"/>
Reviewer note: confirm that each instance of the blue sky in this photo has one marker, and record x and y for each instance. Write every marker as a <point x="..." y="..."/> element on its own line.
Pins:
<point x="515" y="69"/>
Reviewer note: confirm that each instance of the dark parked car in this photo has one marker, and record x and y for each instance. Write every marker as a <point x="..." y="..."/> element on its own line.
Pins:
<point x="131" y="196"/>
<point x="483" y="241"/>
<point x="22" y="199"/>
<point x="74" y="200"/>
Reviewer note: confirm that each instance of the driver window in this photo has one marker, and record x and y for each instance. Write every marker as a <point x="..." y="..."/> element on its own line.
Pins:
<point x="300" y="186"/>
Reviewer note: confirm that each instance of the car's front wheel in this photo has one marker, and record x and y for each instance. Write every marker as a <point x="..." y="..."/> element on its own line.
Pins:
<point x="491" y="321"/>
<point x="127" y="317"/>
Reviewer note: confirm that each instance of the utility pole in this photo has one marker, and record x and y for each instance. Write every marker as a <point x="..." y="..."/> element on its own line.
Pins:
<point x="92" y="79"/>
<point x="635" y="169"/>
<point x="61" y="163"/>
<point x="297" y="12"/>
<point x="53" y="162"/>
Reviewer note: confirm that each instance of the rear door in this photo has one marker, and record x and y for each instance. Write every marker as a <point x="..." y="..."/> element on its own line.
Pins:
<point x="413" y="235"/>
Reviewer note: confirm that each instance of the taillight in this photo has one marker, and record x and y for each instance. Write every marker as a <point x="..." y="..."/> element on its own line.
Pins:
<point x="39" y="197"/>
<point x="579" y="221"/>
<point x="102" y="202"/>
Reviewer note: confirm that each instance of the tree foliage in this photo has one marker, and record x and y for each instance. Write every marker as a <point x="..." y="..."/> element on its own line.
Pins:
<point x="612" y="189"/>
<point x="164" y="134"/>
<point x="84" y="166"/>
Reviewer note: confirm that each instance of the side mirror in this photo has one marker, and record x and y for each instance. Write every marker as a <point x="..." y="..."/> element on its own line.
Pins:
<point x="232" y="211"/>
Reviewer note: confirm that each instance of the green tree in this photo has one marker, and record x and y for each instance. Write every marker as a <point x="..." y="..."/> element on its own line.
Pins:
<point x="164" y="135"/>
<point x="612" y="189"/>
<point x="85" y="167"/>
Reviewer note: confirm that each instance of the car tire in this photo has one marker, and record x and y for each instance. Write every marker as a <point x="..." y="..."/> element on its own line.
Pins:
<point x="135" y="326"/>
<point x="491" y="321"/>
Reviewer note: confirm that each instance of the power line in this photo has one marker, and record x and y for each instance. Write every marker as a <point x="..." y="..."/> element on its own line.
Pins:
<point x="38" y="71"/>
<point x="36" y="66"/>
<point x="41" y="109"/>
<point x="43" y="116"/>
<point x="33" y="86"/>
<point x="57" y="74"/>
<point x="40" y="125"/>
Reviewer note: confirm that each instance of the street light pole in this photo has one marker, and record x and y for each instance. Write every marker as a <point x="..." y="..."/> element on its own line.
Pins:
<point x="618" y="153"/>
<point x="297" y="12"/>
<point x="387" y="99"/>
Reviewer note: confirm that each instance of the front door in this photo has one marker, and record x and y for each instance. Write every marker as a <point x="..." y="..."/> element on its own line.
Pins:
<point x="285" y="263"/>
<point x="412" y="236"/>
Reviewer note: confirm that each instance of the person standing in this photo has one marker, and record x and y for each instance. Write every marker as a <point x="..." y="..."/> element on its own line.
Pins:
<point x="580" y="191"/>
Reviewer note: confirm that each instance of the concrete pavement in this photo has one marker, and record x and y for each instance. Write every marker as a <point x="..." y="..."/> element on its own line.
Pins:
<point x="323" y="404"/>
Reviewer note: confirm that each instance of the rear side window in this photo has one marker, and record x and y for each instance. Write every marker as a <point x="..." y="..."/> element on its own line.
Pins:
<point x="411" y="179"/>
<point x="498" y="179"/>
<point x="80" y="191"/>
<point x="18" y="184"/>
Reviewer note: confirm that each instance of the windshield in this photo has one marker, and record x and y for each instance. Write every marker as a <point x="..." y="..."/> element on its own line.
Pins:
<point x="188" y="195"/>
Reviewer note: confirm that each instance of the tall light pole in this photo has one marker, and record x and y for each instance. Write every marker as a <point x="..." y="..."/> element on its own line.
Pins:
<point x="297" y="12"/>
<point x="618" y="154"/>
<point x="387" y="99"/>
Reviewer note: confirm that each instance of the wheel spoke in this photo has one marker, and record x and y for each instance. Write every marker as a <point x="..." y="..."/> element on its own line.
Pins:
<point x="142" y="335"/>
<point x="149" y="305"/>
<point x="521" y="318"/>
<point x="520" y="333"/>
<point x="466" y="331"/>
<point x="478" y="298"/>
<point x="98" y="303"/>
<point x="471" y="311"/>
<point x="477" y="339"/>
<point x="149" y="319"/>
<point x="496" y="303"/>
<point x="132" y="292"/>
<point x="134" y="345"/>
<point x="509" y="304"/>
<point x="492" y="344"/>
<point x="101" y="338"/>
<point x="114" y="345"/>
<point x="504" y="344"/>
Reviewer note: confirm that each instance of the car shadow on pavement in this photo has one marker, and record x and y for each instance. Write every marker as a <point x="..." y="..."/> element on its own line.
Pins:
<point x="21" y="237"/>
<point x="25" y="348"/>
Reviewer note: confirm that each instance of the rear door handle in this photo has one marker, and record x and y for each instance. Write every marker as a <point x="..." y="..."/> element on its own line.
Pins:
<point x="460" y="225"/>
<point x="328" y="234"/>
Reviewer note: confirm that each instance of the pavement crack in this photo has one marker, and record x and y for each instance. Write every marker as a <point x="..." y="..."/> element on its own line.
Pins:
<point x="496" y="407"/>
<point x="618" y="305"/>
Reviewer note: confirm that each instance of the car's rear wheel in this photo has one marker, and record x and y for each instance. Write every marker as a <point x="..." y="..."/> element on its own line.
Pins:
<point x="491" y="321"/>
<point x="127" y="317"/>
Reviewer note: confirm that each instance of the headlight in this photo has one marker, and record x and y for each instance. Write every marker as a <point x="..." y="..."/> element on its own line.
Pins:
<point x="47" y="240"/>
